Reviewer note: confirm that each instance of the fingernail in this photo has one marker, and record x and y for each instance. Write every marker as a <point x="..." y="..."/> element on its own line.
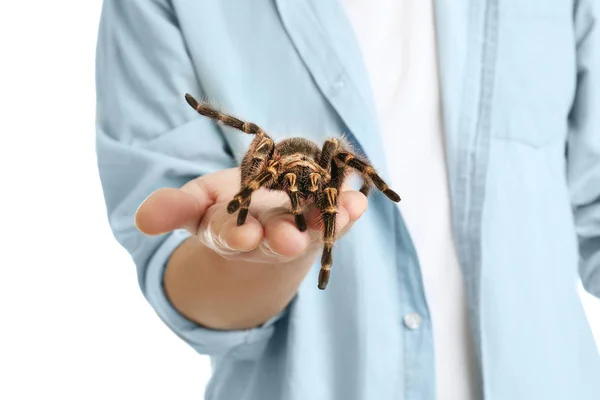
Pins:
<point x="264" y="245"/>
<point x="216" y="242"/>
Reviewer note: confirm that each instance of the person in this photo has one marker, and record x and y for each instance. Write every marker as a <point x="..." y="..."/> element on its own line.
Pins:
<point x="482" y="115"/>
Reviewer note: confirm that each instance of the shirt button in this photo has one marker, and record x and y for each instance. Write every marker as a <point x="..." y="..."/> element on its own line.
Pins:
<point x="412" y="321"/>
<point x="339" y="84"/>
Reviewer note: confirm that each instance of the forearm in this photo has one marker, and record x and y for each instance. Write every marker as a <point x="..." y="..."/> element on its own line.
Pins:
<point x="222" y="294"/>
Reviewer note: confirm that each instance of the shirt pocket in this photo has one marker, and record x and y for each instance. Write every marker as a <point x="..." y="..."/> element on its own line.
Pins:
<point x="535" y="71"/>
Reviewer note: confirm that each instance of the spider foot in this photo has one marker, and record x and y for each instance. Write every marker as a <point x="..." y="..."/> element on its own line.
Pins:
<point x="392" y="195"/>
<point x="323" y="278"/>
<point x="233" y="206"/>
<point x="326" y="261"/>
<point x="242" y="216"/>
<point x="301" y="222"/>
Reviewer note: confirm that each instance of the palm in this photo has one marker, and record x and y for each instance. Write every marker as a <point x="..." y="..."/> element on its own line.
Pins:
<point x="268" y="234"/>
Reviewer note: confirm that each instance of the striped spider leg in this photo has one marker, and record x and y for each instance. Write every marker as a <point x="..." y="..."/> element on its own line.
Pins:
<point x="254" y="162"/>
<point x="341" y="160"/>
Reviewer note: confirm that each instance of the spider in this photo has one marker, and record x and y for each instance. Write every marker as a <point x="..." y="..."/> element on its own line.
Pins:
<point x="308" y="174"/>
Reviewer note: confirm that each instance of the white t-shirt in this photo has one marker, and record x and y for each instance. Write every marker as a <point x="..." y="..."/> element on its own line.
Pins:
<point x="398" y="42"/>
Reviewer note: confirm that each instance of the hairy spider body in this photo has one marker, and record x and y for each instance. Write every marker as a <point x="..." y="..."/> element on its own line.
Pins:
<point x="308" y="174"/>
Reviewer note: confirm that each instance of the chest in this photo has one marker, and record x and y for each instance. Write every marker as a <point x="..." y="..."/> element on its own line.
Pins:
<point x="290" y="67"/>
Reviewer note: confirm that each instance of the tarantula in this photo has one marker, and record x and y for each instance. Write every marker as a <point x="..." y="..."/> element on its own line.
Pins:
<point x="297" y="166"/>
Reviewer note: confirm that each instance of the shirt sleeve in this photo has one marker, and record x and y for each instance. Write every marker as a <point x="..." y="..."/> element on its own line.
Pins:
<point x="583" y="151"/>
<point x="147" y="137"/>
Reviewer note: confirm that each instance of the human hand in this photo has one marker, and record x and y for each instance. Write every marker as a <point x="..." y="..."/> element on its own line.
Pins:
<point x="269" y="234"/>
<point x="234" y="277"/>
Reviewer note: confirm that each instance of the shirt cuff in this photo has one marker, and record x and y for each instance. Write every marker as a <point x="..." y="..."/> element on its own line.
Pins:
<point x="205" y="341"/>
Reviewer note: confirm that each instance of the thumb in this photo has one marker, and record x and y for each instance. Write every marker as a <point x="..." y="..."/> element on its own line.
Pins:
<point x="168" y="209"/>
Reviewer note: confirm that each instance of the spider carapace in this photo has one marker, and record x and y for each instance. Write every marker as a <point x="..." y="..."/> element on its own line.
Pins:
<point x="309" y="174"/>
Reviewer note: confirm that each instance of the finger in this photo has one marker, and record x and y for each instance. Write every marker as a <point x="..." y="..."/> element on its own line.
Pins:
<point x="219" y="231"/>
<point x="282" y="236"/>
<point x="168" y="209"/>
<point x="351" y="205"/>
<point x="355" y="203"/>
<point x="220" y="184"/>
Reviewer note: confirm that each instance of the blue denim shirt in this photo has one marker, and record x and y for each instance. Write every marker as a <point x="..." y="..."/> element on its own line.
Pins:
<point x="521" y="101"/>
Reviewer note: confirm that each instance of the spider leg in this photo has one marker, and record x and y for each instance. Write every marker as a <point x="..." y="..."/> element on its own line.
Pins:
<point x="328" y="206"/>
<point x="292" y="191"/>
<point x="243" y="214"/>
<point x="366" y="187"/>
<point x="326" y="200"/>
<point x="261" y="149"/>
<point x="259" y="153"/>
<point x="346" y="158"/>
<point x="329" y="148"/>
<point x="205" y="109"/>
<point x="241" y="201"/>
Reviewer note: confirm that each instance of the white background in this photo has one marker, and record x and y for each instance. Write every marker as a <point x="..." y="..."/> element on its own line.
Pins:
<point x="73" y="323"/>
